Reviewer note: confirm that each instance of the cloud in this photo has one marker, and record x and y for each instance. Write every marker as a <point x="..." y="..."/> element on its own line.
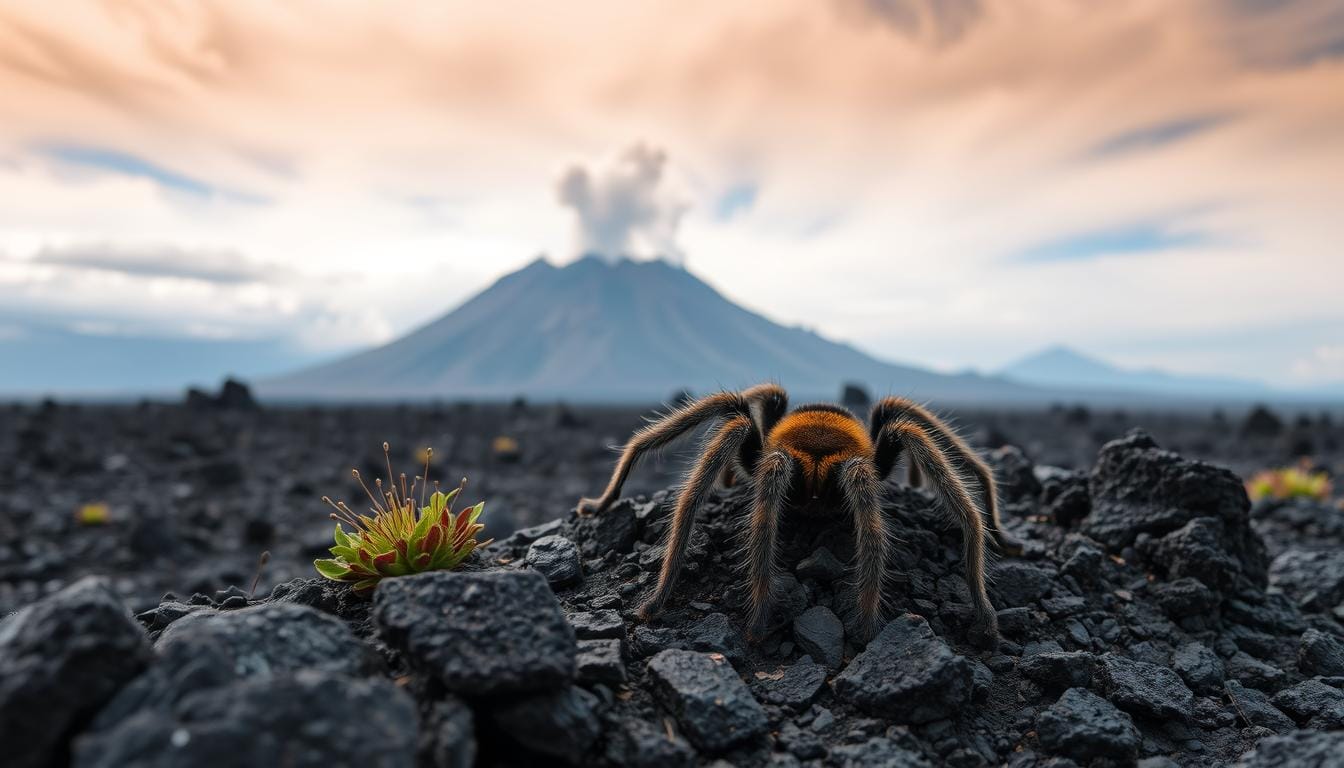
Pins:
<point x="939" y="22"/>
<point x="1325" y="363"/>
<point x="1157" y="135"/>
<point x="113" y="161"/>
<point x="211" y="266"/>
<point x="1135" y="238"/>
<point x="625" y="209"/>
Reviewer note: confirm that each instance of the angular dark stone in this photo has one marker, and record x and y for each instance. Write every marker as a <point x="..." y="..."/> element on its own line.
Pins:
<point x="1255" y="708"/>
<point x="1301" y="748"/>
<point x="819" y="633"/>
<point x="448" y="735"/>
<point x="1059" y="670"/>
<point x="1021" y="584"/>
<point x="60" y="660"/>
<point x="601" y="661"/>
<point x="1315" y="579"/>
<point x="479" y="633"/>
<point x="1314" y="703"/>
<point x="794" y="686"/>
<point x="269" y="638"/>
<point x="557" y="559"/>
<point x="1083" y="726"/>
<point x="877" y="752"/>
<point x="821" y="565"/>
<point x="716" y="633"/>
<point x="1248" y="670"/>
<point x="1320" y="654"/>
<point x="1199" y="667"/>
<point x="559" y="723"/>
<point x="1184" y="597"/>
<point x="596" y="625"/>
<point x="638" y="744"/>
<point x="1145" y="689"/>
<point x="907" y="674"/>
<point x="302" y="719"/>
<point x="1198" y="549"/>
<point x="708" y="699"/>
<point x="1140" y="488"/>
<point x="614" y="530"/>
<point x="1015" y="473"/>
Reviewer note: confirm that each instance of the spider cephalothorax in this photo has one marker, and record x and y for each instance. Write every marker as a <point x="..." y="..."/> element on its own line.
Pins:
<point x="819" y="454"/>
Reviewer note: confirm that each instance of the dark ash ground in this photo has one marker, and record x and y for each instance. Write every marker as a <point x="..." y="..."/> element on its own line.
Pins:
<point x="1155" y="616"/>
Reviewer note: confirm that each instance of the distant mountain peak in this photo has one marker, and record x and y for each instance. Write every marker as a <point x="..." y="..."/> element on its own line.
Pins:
<point x="595" y="329"/>
<point x="1060" y="366"/>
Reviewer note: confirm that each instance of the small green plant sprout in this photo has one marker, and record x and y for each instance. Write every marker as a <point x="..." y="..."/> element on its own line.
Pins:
<point x="397" y="540"/>
<point x="1299" y="482"/>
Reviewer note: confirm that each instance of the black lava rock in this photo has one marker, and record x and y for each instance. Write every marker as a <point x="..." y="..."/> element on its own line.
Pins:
<point x="1301" y="748"/>
<point x="601" y="661"/>
<point x="595" y="625"/>
<point x="559" y="723"/>
<point x="716" y="633"/>
<point x="60" y="660"/>
<point x="1313" y="703"/>
<point x="1083" y="726"/>
<point x="479" y="633"/>
<point x="794" y="686"/>
<point x="874" y="752"/>
<point x="1199" y="667"/>
<point x="907" y="674"/>
<point x="269" y="638"/>
<point x="1058" y="670"/>
<point x="448" y="735"/>
<point x="1139" y="488"/>
<point x="1320" y="654"/>
<point x="640" y="745"/>
<point x="1315" y="579"/>
<point x="1145" y="689"/>
<point x="708" y="699"/>
<point x="1255" y="708"/>
<point x="304" y="719"/>
<point x="557" y="558"/>
<point x="1015" y="474"/>
<point x="821" y="565"/>
<point x="1020" y="584"/>
<point x="614" y="531"/>
<point x="819" y="633"/>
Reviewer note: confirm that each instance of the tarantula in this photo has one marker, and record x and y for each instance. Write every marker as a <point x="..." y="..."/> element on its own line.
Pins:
<point x="822" y="456"/>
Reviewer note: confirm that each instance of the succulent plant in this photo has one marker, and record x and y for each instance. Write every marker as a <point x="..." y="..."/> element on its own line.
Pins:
<point x="1289" y="483"/>
<point x="397" y="540"/>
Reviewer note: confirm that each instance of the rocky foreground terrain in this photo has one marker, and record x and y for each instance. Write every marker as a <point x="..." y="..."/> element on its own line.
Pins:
<point x="1154" y="618"/>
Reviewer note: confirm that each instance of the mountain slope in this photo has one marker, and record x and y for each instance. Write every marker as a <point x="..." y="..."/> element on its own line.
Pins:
<point x="1063" y="368"/>
<point x="626" y="331"/>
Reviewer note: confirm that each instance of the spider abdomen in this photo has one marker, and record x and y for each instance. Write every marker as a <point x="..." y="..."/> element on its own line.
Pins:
<point x="820" y="439"/>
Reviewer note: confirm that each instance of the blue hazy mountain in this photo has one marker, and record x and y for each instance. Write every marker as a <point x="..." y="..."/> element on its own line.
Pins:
<point x="1060" y="367"/>
<point x="46" y="359"/>
<point x="629" y="330"/>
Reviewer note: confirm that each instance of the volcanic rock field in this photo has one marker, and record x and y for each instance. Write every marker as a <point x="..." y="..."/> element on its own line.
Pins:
<point x="1156" y="617"/>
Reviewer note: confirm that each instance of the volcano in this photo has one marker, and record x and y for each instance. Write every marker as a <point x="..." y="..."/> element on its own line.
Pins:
<point x="629" y="331"/>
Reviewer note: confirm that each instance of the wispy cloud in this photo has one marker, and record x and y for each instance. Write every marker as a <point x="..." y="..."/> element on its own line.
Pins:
<point x="112" y="161"/>
<point x="1130" y="239"/>
<point x="1157" y="135"/>
<point x="159" y="260"/>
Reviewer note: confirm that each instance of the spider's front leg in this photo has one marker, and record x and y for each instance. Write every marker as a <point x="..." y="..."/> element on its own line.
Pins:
<point x="774" y="473"/>
<point x="861" y="487"/>
<point x="719" y="451"/>
<point x="933" y="463"/>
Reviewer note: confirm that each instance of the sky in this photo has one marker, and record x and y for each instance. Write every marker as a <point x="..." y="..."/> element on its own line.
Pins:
<point x="951" y="183"/>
